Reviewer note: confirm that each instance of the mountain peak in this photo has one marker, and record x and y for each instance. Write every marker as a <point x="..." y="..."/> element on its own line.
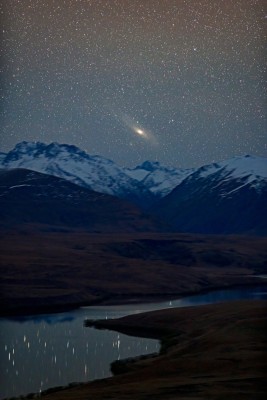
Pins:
<point x="53" y="149"/>
<point x="221" y="198"/>
<point x="149" y="165"/>
<point x="237" y="167"/>
<point x="73" y="164"/>
<point x="140" y="184"/>
<point x="246" y="165"/>
<point x="25" y="146"/>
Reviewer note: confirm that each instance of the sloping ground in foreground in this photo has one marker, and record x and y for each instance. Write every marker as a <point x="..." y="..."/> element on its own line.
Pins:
<point x="208" y="352"/>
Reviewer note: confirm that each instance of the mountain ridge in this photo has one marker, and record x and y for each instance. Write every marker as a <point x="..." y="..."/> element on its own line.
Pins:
<point x="149" y="179"/>
<point x="69" y="162"/>
<point x="222" y="198"/>
<point x="227" y="197"/>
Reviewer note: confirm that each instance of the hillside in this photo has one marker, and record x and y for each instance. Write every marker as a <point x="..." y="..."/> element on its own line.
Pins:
<point x="28" y="197"/>
<point x="229" y="197"/>
<point x="208" y="352"/>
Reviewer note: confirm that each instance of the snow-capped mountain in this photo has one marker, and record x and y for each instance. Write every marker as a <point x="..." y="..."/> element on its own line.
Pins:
<point x="71" y="163"/>
<point x="226" y="197"/>
<point x="2" y="156"/>
<point x="250" y="168"/>
<point x="142" y="184"/>
<point x="159" y="179"/>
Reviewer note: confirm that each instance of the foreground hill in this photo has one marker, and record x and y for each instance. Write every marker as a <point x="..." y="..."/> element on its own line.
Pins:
<point x="208" y="352"/>
<point x="223" y="198"/>
<point x="32" y="197"/>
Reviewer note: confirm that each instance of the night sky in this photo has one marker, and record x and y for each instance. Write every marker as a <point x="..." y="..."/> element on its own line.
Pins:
<point x="181" y="82"/>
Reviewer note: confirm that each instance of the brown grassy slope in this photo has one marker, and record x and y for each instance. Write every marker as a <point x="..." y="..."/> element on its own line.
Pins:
<point x="48" y="267"/>
<point x="211" y="352"/>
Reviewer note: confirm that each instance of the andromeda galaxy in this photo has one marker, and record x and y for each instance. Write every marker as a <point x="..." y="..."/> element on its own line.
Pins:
<point x="135" y="127"/>
<point x="117" y="77"/>
<point x="140" y="132"/>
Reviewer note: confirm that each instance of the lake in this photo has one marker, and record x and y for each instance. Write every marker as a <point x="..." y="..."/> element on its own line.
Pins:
<point x="43" y="351"/>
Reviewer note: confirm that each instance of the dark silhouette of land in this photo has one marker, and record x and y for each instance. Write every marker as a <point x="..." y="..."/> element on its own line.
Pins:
<point x="215" y="351"/>
<point x="208" y="352"/>
<point x="46" y="268"/>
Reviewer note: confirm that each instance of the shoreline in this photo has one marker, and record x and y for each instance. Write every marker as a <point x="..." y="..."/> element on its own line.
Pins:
<point x="122" y="299"/>
<point x="201" y="330"/>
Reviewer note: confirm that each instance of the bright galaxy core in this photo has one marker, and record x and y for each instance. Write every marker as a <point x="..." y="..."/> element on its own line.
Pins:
<point x="175" y="81"/>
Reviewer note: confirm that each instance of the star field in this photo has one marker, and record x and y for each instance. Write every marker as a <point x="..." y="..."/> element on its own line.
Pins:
<point x="190" y="75"/>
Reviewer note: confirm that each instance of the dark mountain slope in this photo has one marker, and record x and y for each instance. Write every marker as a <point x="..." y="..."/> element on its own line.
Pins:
<point x="220" y="198"/>
<point x="32" y="197"/>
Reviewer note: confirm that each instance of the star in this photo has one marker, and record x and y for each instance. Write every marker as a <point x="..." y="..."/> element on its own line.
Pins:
<point x="101" y="74"/>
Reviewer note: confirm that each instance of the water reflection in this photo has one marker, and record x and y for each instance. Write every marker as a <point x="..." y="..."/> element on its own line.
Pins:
<point x="48" y="318"/>
<point x="54" y="350"/>
<point x="39" y="352"/>
<point x="212" y="297"/>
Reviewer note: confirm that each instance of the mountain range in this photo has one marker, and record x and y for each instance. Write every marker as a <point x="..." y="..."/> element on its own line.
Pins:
<point x="225" y="197"/>
<point x="140" y="184"/>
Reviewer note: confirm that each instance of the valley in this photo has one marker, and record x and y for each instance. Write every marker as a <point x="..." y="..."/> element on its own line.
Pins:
<point x="48" y="268"/>
<point x="133" y="200"/>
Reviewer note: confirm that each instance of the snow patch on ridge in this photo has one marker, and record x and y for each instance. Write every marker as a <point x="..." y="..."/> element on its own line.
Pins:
<point x="239" y="167"/>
